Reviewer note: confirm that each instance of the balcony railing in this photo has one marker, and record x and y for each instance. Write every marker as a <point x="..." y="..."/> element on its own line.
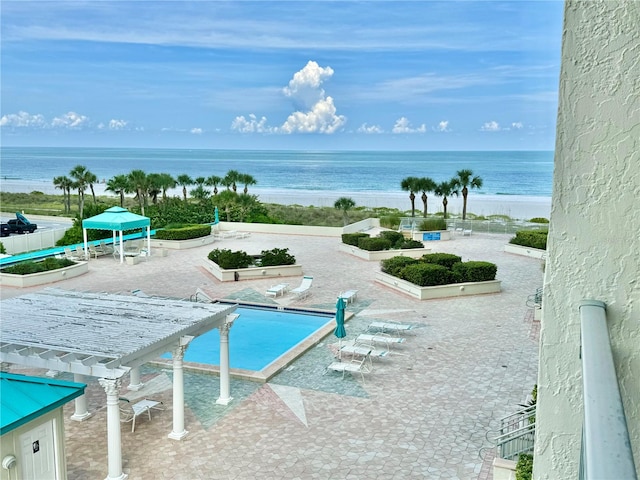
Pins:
<point x="606" y="449"/>
<point x="517" y="433"/>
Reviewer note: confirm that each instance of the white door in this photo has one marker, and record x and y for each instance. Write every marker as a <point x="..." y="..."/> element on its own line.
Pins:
<point x="37" y="453"/>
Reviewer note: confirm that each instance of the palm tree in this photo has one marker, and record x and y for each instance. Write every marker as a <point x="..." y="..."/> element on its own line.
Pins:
<point x="153" y="187"/>
<point x="91" y="179"/>
<point x="246" y="180"/>
<point x="227" y="199"/>
<point x="344" y="204"/>
<point x="119" y="185"/>
<point x="426" y="185"/>
<point x="232" y="177"/>
<point x="213" y="181"/>
<point x="139" y="183"/>
<point x="166" y="182"/>
<point x="82" y="178"/>
<point x="410" y="184"/>
<point x="463" y="180"/>
<point x="184" y="181"/>
<point x="244" y="204"/>
<point x="445" y="189"/>
<point x="65" y="184"/>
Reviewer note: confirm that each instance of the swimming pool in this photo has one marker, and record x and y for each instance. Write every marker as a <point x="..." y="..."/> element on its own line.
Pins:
<point x="259" y="336"/>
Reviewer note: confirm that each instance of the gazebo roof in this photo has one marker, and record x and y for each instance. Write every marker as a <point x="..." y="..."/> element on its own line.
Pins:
<point x="98" y="334"/>
<point x="116" y="218"/>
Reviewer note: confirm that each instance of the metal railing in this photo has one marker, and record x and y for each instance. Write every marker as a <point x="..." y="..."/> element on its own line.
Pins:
<point x="482" y="226"/>
<point x="517" y="433"/>
<point x="606" y="449"/>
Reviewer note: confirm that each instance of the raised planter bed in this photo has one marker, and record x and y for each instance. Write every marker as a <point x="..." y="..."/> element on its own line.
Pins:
<point x="252" y="273"/>
<point x="525" y="251"/>
<point x="182" y="244"/>
<point x="439" y="291"/>
<point x="42" y="278"/>
<point x="384" y="254"/>
<point x="433" y="236"/>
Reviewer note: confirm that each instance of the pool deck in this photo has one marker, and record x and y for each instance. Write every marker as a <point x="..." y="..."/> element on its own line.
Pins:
<point x="424" y="411"/>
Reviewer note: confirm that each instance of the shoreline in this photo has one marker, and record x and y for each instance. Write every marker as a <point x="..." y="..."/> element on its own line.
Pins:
<point x="520" y="207"/>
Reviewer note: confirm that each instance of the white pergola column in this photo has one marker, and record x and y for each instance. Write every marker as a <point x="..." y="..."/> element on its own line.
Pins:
<point x="114" y="447"/>
<point x="134" y="379"/>
<point x="85" y="238"/>
<point x="81" y="410"/>
<point x="225" y="386"/>
<point x="179" y="432"/>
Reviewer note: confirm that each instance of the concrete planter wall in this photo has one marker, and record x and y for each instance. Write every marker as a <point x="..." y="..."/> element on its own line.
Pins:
<point x="181" y="244"/>
<point x="42" y="278"/>
<point x="525" y="251"/>
<point x="433" y="236"/>
<point x="383" y="254"/>
<point x="252" y="273"/>
<point x="440" y="291"/>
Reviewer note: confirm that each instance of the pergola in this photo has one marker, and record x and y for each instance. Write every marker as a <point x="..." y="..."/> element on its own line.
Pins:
<point x="107" y="336"/>
<point x="117" y="219"/>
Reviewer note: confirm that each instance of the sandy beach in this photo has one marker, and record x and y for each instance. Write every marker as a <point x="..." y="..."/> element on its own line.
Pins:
<point x="515" y="206"/>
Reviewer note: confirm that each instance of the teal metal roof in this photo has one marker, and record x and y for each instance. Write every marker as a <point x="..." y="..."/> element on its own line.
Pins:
<point x="24" y="398"/>
<point x="116" y="218"/>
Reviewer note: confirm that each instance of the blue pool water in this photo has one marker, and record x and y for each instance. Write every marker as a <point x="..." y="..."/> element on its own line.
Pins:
<point x="257" y="338"/>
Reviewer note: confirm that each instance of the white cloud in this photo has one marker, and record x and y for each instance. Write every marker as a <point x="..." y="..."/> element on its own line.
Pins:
<point x="117" y="124"/>
<point x="491" y="126"/>
<point x="305" y="86"/>
<point x="403" y="125"/>
<point x="443" y="126"/>
<point x="22" y="120"/>
<point x="517" y="125"/>
<point x="70" y="120"/>
<point x="364" y="128"/>
<point x="196" y="131"/>
<point x="321" y="118"/>
<point x="251" y="125"/>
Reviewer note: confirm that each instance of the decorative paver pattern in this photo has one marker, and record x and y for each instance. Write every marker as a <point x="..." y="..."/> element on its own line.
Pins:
<point x="425" y="411"/>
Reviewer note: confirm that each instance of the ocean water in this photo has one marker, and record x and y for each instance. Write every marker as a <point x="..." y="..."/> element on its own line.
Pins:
<point x="526" y="173"/>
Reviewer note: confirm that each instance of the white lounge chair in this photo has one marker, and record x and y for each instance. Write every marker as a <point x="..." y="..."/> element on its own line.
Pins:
<point x="361" y="366"/>
<point x="379" y="339"/>
<point x="349" y="296"/>
<point x="277" y="290"/>
<point x="129" y="412"/>
<point x="95" y="251"/>
<point x="304" y="289"/>
<point x="79" y="252"/>
<point x="70" y="255"/>
<point x="358" y="349"/>
<point x="390" y="327"/>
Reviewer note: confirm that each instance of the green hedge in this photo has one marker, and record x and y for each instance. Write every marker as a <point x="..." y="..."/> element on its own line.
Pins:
<point x="394" y="265"/>
<point x="431" y="224"/>
<point x="427" y="274"/>
<point x="374" y="244"/>
<point x="48" y="264"/>
<point x="277" y="257"/>
<point x="396" y="238"/>
<point x="531" y="238"/>
<point x="353" y="238"/>
<point x="524" y="467"/>
<point x="474" y="271"/>
<point x="185" y="232"/>
<point x="410" y="243"/>
<point x="228" y="260"/>
<point x="446" y="260"/>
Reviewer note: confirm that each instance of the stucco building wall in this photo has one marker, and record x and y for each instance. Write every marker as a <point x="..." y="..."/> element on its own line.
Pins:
<point x="594" y="239"/>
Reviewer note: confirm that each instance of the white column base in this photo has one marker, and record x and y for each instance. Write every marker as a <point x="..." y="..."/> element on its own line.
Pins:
<point x="224" y="401"/>
<point x="135" y="387"/>
<point x="178" y="436"/>
<point x="80" y="417"/>
<point x="124" y="476"/>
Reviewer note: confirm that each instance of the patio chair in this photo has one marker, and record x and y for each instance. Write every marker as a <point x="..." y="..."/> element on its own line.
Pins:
<point x="70" y="255"/>
<point x="79" y="251"/>
<point x="304" y="289"/>
<point x="360" y="366"/>
<point x="360" y="349"/>
<point x="277" y="290"/>
<point x="95" y="251"/>
<point x="130" y="411"/>
<point x="105" y="248"/>
<point x="379" y="339"/>
<point x="132" y="248"/>
<point x="389" y="327"/>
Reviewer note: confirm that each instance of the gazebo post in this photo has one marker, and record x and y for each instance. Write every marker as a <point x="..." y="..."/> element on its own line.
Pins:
<point x="179" y="432"/>
<point x="81" y="411"/>
<point x="84" y="236"/>
<point x="121" y="249"/>
<point x="114" y="446"/>
<point x="225" y="384"/>
<point x="148" y="240"/>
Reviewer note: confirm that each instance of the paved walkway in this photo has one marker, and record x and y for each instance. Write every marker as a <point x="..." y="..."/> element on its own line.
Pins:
<point x="424" y="412"/>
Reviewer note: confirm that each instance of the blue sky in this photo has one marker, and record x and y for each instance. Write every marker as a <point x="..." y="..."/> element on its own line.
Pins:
<point x="377" y="75"/>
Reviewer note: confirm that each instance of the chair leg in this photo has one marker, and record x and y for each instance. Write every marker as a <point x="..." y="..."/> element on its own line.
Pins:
<point x="133" y="424"/>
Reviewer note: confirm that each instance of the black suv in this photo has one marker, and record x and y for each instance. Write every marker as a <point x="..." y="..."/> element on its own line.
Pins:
<point x="5" y="231"/>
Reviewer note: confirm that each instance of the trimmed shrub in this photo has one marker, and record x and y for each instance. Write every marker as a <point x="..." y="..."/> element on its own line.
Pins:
<point x="474" y="271"/>
<point x="394" y="265"/>
<point x="374" y="244"/>
<point x="446" y="260"/>
<point x="2" y="249"/>
<point x="353" y="238"/>
<point x="396" y="238"/>
<point x="410" y="243"/>
<point x="48" y="264"/>
<point x="227" y="260"/>
<point x="524" y="467"/>
<point x="183" y="232"/>
<point x="426" y="274"/>
<point x="539" y="220"/>
<point x="431" y="224"/>
<point x="276" y="257"/>
<point x="531" y="238"/>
